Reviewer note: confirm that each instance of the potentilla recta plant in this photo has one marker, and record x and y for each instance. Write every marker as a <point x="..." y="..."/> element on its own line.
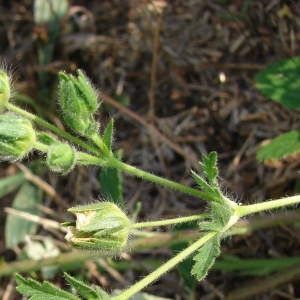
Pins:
<point x="105" y="226"/>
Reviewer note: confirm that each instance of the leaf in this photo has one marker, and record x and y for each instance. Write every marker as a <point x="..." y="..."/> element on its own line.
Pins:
<point x="280" y="147"/>
<point x="111" y="183"/>
<point x="10" y="183"/>
<point x="280" y="82"/>
<point x="15" y="227"/>
<point x="210" y="170"/>
<point x="44" y="291"/>
<point x="184" y="268"/>
<point x="206" y="257"/>
<point x="49" y="11"/>
<point x="210" y="166"/>
<point x="82" y="289"/>
<point x="108" y="134"/>
<point x="259" y="267"/>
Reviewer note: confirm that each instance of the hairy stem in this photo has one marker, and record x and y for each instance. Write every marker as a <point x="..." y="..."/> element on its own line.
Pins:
<point x="53" y="128"/>
<point x="165" y="268"/>
<point x="114" y="163"/>
<point x="170" y="221"/>
<point x="254" y="208"/>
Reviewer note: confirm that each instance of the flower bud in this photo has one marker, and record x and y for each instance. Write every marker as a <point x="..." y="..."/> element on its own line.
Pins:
<point x="79" y="102"/>
<point x="61" y="158"/>
<point x="99" y="226"/>
<point x="4" y="88"/>
<point x="17" y="137"/>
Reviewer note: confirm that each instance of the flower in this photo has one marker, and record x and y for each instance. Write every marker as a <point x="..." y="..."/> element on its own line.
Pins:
<point x="100" y="226"/>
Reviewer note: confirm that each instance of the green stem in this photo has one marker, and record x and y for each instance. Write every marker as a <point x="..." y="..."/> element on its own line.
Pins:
<point x="170" y="221"/>
<point x="41" y="147"/>
<point x="114" y="163"/>
<point x="99" y="143"/>
<point x="254" y="208"/>
<point x="53" y="128"/>
<point x="165" y="268"/>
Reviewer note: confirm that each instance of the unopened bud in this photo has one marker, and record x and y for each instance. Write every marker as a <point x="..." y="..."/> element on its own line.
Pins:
<point x="99" y="226"/>
<point x="78" y="100"/>
<point x="17" y="137"/>
<point x="61" y="158"/>
<point x="4" y="88"/>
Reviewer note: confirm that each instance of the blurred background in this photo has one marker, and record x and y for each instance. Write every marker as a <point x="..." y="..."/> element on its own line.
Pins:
<point x="178" y="78"/>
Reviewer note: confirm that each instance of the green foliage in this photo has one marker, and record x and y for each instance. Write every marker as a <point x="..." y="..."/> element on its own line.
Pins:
<point x="15" y="227"/>
<point x="111" y="183"/>
<point x="104" y="226"/>
<point x="258" y="267"/>
<point x="206" y="257"/>
<point x="38" y="291"/>
<point x="280" y="82"/>
<point x="108" y="135"/>
<point x="10" y="183"/>
<point x="280" y="147"/>
<point x="47" y="291"/>
<point x="210" y="170"/>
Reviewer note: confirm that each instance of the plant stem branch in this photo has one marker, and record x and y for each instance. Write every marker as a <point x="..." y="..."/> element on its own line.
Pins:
<point x="169" y="222"/>
<point x="254" y="208"/>
<point x="114" y="163"/>
<point x="53" y="128"/>
<point x="165" y="268"/>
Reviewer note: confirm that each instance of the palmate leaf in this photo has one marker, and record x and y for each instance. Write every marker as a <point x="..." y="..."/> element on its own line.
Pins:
<point x="205" y="257"/>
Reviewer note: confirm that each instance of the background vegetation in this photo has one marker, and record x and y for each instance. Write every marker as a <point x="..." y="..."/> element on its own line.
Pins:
<point x="184" y="74"/>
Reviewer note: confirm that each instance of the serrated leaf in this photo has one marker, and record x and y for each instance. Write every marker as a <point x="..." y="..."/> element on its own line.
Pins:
<point x="10" y="183"/>
<point x="108" y="134"/>
<point x="15" y="227"/>
<point x="184" y="268"/>
<point x="111" y="183"/>
<point x="210" y="167"/>
<point x="280" y="147"/>
<point x="221" y="214"/>
<point x="205" y="257"/>
<point x="41" y="291"/>
<point x="81" y="288"/>
<point x="202" y="183"/>
<point x="280" y="82"/>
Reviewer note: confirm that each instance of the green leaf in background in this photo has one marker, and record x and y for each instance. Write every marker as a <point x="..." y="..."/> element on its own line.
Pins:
<point x="205" y="257"/>
<point x="10" y="183"/>
<point x="258" y="267"/>
<point x="15" y="227"/>
<point x="280" y="147"/>
<point x="280" y="81"/>
<point x="108" y="134"/>
<point x="111" y="183"/>
<point x="184" y="268"/>
<point x="48" y="13"/>
<point x="44" y="291"/>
